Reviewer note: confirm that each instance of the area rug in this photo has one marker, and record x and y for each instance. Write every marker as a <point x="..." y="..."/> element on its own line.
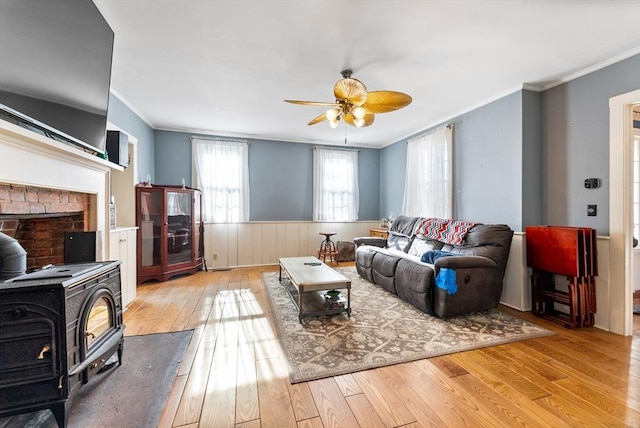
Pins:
<point x="382" y="330"/>
<point x="130" y="395"/>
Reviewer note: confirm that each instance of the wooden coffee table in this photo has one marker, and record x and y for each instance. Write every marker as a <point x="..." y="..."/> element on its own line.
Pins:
<point x="310" y="275"/>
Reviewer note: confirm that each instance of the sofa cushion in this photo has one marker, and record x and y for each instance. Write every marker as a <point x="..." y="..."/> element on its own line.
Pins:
<point x="413" y="284"/>
<point x="383" y="270"/>
<point x="488" y="240"/>
<point x="364" y="258"/>
<point x="399" y="241"/>
<point x="419" y="246"/>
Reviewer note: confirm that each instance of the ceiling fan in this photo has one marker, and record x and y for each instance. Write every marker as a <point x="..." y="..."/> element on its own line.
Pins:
<point x="354" y="104"/>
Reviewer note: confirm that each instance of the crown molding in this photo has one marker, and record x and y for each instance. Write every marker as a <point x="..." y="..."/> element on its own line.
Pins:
<point x="595" y="67"/>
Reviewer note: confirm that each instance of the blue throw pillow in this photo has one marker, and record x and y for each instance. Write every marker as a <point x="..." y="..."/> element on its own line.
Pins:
<point x="433" y="255"/>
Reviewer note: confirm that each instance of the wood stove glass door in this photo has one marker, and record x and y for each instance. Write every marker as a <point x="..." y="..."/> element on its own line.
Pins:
<point x="99" y="320"/>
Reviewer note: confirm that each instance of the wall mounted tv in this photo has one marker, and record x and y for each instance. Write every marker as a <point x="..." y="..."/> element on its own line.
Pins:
<point x="55" y="69"/>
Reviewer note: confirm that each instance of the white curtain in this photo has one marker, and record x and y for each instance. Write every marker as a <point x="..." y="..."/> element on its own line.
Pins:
<point x="222" y="173"/>
<point x="335" y="185"/>
<point x="429" y="175"/>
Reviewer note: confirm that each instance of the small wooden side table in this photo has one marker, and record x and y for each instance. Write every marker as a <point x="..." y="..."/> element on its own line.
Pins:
<point x="381" y="233"/>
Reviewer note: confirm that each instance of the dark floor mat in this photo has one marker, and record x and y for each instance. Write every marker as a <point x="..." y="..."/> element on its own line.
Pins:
<point x="131" y="395"/>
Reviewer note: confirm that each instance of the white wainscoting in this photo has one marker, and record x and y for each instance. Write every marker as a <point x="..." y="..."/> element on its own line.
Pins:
<point x="516" y="292"/>
<point x="262" y="243"/>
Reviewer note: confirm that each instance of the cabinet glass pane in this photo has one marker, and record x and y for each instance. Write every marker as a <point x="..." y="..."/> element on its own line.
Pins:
<point x="150" y="227"/>
<point x="198" y="220"/>
<point x="179" y="227"/>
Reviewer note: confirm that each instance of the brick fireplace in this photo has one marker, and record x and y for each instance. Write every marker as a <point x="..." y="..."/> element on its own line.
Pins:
<point x="45" y="179"/>
<point x="39" y="218"/>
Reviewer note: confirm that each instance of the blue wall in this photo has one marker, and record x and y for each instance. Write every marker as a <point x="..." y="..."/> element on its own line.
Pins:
<point x="519" y="160"/>
<point x="522" y="160"/>
<point x="125" y="119"/>
<point x="280" y="176"/>
<point x="487" y="152"/>
<point x="575" y="129"/>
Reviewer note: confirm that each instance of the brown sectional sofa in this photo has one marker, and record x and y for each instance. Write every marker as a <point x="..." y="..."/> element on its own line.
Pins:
<point x="467" y="278"/>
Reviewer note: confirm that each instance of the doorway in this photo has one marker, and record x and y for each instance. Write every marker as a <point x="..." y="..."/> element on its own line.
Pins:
<point x="621" y="212"/>
<point x="636" y="220"/>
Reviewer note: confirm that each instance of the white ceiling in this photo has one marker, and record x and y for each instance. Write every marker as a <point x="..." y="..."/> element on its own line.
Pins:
<point x="225" y="66"/>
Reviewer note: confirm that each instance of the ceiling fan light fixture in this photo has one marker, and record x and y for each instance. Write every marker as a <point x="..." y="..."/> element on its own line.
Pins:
<point x="354" y="104"/>
<point x="332" y="114"/>
<point x="359" y="113"/>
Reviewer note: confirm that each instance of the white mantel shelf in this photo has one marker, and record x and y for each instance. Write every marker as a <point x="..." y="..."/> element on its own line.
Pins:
<point x="10" y="133"/>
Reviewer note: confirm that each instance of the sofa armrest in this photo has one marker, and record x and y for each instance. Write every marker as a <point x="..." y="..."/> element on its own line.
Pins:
<point x="464" y="262"/>
<point x="478" y="282"/>
<point x="375" y="241"/>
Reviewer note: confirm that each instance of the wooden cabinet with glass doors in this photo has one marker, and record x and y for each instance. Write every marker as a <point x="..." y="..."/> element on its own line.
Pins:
<point x="170" y="231"/>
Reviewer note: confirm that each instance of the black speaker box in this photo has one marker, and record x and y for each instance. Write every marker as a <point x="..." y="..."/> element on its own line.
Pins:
<point x="118" y="148"/>
<point x="80" y="247"/>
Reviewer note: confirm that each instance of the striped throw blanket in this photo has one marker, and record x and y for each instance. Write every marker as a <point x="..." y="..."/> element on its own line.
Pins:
<point x="448" y="231"/>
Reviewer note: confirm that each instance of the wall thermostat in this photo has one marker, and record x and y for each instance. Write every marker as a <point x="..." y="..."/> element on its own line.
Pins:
<point x="592" y="183"/>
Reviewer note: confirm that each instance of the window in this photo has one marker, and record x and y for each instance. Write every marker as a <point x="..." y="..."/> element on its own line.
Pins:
<point x="222" y="173"/>
<point x="335" y="185"/>
<point x="429" y="175"/>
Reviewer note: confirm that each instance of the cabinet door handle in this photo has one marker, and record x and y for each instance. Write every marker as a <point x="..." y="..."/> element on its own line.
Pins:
<point x="44" y="350"/>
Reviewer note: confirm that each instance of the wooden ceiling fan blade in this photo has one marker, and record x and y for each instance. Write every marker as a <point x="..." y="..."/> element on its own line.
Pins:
<point x="386" y="101"/>
<point x="368" y="119"/>
<point x="351" y="90"/>
<point x="312" y="103"/>
<point x="318" y="119"/>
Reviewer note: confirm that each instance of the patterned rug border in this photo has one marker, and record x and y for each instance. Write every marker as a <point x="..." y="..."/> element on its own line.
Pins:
<point x="295" y="375"/>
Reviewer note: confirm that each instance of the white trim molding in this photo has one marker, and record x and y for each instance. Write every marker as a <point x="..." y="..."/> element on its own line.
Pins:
<point x="621" y="211"/>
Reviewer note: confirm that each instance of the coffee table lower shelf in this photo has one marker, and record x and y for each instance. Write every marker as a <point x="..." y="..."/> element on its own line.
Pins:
<point x="313" y="302"/>
<point x="307" y="281"/>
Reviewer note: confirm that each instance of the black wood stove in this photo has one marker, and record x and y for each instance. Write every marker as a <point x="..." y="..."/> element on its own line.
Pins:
<point x="58" y="326"/>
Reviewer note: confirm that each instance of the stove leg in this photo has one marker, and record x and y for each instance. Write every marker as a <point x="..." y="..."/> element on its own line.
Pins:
<point x="120" y="352"/>
<point x="60" y="413"/>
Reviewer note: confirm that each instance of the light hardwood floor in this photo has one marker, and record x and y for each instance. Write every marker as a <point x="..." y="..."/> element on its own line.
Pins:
<point x="234" y="373"/>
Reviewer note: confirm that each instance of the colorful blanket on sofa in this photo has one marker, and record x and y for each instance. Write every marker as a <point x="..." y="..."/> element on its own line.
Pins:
<point x="443" y="230"/>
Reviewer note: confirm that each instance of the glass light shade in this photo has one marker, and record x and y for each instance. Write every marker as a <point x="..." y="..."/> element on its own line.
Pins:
<point x="358" y="112"/>
<point x="333" y="123"/>
<point x="332" y="114"/>
<point x="358" y="122"/>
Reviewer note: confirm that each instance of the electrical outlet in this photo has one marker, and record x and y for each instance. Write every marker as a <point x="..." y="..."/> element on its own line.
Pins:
<point x="592" y="210"/>
<point x="215" y="256"/>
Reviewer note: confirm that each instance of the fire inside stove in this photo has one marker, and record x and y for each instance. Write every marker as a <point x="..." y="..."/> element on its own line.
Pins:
<point x="99" y="321"/>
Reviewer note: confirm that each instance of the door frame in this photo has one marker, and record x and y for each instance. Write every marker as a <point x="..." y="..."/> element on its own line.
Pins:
<point x="621" y="211"/>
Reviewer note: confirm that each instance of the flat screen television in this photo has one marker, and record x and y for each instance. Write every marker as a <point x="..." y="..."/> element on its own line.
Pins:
<point x="55" y="69"/>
